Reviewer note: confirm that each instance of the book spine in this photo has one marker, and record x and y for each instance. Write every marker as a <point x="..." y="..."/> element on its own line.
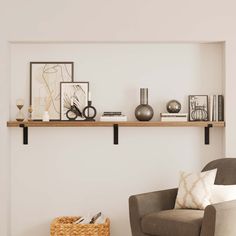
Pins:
<point x="214" y="108"/>
<point x="211" y="108"/>
<point x="173" y="114"/>
<point x="111" y="113"/>
<point x="220" y="108"/>
<point x="174" y="119"/>
<point x="113" y="118"/>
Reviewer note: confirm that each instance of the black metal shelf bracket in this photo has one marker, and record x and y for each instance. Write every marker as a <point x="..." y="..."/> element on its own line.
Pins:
<point x="25" y="134"/>
<point x="116" y="134"/>
<point x="207" y="134"/>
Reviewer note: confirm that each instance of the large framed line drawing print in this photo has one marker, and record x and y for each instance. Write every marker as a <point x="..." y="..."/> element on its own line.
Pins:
<point x="45" y="79"/>
<point x="74" y="94"/>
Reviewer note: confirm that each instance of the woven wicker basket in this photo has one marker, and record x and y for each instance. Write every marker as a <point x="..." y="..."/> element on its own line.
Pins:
<point x="63" y="226"/>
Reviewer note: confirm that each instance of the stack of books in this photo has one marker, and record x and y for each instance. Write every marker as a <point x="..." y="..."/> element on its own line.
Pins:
<point x="174" y="117"/>
<point x="113" y="116"/>
<point x="216" y="108"/>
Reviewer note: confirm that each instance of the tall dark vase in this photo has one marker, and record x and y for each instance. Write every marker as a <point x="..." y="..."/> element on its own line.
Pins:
<point x="144" y="112"/>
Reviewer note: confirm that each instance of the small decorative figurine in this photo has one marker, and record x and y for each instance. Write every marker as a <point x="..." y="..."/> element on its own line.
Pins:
<point x="72" y="113"/>
<point x="46" y="116"/>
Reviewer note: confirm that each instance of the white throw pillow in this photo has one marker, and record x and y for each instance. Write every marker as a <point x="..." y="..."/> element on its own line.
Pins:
<point x="195" y="189"/>
<point x="222" y="193"/>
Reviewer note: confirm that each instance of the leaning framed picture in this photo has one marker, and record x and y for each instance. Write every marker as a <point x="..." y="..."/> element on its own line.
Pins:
<point x="74" y="94"/>
<point x="198" y="107"/>
<point x="45" y="79"/>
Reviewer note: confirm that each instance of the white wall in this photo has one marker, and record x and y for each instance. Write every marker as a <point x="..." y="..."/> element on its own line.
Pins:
<point x="114" y="21"/>
<point x="116" y="71"/>
<point x="78" y="170"/>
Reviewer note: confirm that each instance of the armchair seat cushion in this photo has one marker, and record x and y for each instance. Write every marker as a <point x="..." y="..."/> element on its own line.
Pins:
<point x="175" y="222"/>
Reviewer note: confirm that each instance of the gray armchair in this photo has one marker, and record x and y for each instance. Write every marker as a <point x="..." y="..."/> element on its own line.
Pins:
<point x="153" y="214"/>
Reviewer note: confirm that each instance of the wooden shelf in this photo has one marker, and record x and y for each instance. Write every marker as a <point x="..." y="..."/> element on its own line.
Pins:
<point x="25" y="125"/>
<point x="110" y="124"/>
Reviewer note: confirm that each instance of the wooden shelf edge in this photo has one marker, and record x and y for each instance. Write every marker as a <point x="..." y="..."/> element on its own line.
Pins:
<point x="109" y="124"/>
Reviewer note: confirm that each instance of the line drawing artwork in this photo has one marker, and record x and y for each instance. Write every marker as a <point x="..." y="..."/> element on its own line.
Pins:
<point x="45" y="87"/>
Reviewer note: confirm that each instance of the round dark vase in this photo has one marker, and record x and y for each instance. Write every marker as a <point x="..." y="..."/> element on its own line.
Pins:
<point x="144" y="112"/>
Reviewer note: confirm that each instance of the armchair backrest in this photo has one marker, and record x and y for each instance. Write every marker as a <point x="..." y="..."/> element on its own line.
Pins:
<point x="226" y="170"/>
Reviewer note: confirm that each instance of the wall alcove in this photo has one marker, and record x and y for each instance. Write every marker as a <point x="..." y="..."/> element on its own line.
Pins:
<point x="84" y="160"/>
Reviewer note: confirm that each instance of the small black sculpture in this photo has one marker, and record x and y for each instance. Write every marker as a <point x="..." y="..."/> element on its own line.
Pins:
<point x="87" y="114"/>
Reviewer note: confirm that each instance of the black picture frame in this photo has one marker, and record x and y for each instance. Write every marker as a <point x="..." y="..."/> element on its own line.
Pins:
<point x="84" y="85"/>
<point x="198" y="108"/>
<point x="58" y="71"/>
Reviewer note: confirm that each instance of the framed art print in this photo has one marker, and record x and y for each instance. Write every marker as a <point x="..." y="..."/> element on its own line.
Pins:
<point x="198" y="108"/>
<point x="74" y="94"/>
<point x="45" y="79"/>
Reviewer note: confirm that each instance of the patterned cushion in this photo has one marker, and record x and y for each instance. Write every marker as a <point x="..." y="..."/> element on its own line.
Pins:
<point x="195" y="189"/>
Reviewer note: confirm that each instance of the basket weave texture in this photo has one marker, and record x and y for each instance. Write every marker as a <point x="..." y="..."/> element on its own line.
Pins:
<point x="63" y="226"/>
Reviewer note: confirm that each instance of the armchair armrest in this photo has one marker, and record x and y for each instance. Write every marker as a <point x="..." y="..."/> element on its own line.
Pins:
<point x="142" y="204"/>
<point x="219" y="219"/>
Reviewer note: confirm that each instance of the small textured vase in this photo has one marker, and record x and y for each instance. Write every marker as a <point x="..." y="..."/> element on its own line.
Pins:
<point x="144" y="112"/>
<point x="46" y="117"/>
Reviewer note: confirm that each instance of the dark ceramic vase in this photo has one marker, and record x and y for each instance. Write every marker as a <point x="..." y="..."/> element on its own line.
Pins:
<point x="144" y="112"/>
